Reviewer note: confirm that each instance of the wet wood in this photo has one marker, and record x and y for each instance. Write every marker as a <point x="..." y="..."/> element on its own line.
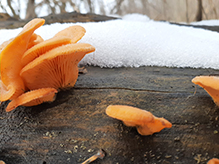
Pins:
<point x="75" y="126"/>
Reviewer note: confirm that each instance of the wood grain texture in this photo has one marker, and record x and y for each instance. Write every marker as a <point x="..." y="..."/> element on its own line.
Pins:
<point x="75" y="126"/>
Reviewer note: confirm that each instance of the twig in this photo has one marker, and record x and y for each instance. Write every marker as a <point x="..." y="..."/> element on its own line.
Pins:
<point x="100" y="154"/>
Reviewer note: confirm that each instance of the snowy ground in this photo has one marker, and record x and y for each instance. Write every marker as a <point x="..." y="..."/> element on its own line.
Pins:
<point x="137" y="41"/>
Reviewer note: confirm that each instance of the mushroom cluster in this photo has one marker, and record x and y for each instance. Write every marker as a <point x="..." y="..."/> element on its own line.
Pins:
<point x="145" y="122"/>
<point x="34" y="70"/>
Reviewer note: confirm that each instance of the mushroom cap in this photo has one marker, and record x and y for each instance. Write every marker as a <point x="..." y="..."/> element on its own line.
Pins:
<point x="32" y="98"/>
<point x="75" y="32"/>
<point x="213" y="161"/>
<point x="34" y="40"/>
<point x="4" y="44"/>
<point x="11" y="59"/>
<point x="5" y="91"/>
<point x="43" y="47"/>
<point x="131" y="116"/>
<point x="210" y="84"/>
<point x="57" y="68"/>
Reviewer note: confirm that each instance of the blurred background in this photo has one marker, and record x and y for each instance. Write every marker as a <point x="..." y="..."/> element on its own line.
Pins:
<point x="168" y="10"/>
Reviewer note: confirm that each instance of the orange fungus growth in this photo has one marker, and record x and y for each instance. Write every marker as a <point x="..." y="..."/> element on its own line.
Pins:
<point x="74" y="32"/>
<point x="210" y="84"/>
<point x="42" y="48"/>
<point x="213" y="161"/>
<point x="10" y="58"/>
<point x="57" y="68"/>
<point x="32" y="70"/>
<point x="145" y="122"/>
<point x="33" y="97"/>
<point x="34" y="40"/>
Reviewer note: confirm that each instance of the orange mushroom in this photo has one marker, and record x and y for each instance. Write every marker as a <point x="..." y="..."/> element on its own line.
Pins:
<point x="43" y="47"/>
<point x="210" y="84"/>
<point x="145" y="122"/>
<point x="74" y="32"/>
<point x="39" y="67"/>
<point x="12" y="84"/>
<point x="57" y="68"/>
<point x="213" y="161"/>
<point x="33" y="98"/>
<point x="34" y="40"/>
<point x="4" y="44"/>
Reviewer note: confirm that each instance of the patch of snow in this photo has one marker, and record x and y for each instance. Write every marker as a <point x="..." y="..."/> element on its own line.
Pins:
<point x="207" y="22"/>
<point x="130" y="43"/>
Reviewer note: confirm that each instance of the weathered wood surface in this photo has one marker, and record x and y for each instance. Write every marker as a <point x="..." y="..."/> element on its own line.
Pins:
<point x="75" y="126"/>
<point x="7" y="22"/>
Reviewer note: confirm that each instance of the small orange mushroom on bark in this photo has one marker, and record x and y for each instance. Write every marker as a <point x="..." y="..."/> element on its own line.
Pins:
<point x="145" y="122"/>
<point x="210" y="84"/>
<point x="213" y="161"/>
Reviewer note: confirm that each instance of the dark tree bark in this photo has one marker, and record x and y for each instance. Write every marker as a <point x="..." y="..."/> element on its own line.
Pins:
<point x="199" y="11"/>
<point x="30" y="12"/>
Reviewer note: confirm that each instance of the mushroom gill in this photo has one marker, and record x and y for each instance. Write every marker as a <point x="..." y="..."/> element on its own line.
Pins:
<point x="210" y="84"/>
<point x="11" y="67"/>
<point x="145" y="122"/>
<point x="57" y="68"/>
<point x="33" y="98"/>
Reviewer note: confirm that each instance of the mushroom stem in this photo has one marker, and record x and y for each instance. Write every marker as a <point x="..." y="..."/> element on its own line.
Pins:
<point x="100" y="154"/>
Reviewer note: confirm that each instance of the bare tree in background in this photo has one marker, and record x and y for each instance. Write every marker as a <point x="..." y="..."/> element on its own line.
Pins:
<point x="9" y="4"/>
<point x="53" y="6"/>
<point x="187" y="8"/>
<point x="117" y="8"/>
<point x="30" y="11"/>
<point x="169" y="10"/>
<point x="199" y="11"/>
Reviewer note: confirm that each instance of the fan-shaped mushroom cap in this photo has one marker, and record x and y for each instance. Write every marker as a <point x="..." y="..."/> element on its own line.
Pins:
<point x="43" y="47"/>
<point x="56" y="68"/>
<point x="34" y="40"/>
<point x="213" y="161"/>
<point x="145" y="122"/>
<point x="34" y="97"/>
<point x="74" y="32"/>
<point x="11" y="60"/>
<point x="210" y="84"/>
